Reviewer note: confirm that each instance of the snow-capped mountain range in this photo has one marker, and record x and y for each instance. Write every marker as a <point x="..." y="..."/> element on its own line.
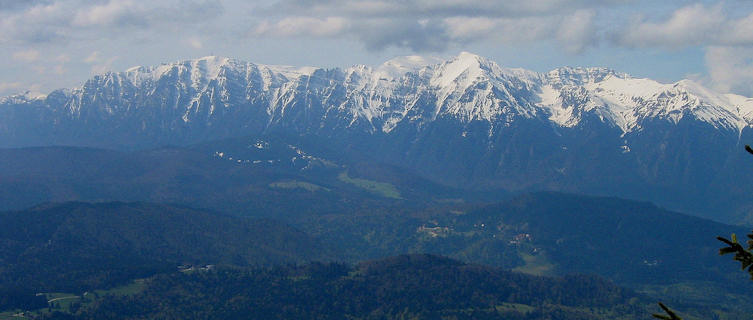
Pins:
<point x="463" y="121"/>
<point x="406" y="89"/>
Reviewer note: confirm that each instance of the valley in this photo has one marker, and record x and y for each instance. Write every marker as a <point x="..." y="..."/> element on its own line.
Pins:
<point x="373" y="192"/>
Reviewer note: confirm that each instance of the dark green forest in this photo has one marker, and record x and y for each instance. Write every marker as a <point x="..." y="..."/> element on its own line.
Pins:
<point x="546" y="254"/>
<point x="402" y="287"/>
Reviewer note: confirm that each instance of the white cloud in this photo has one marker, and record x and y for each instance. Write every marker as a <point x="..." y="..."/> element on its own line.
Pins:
<point x="93" y="57"/>
<point x="399" y="9"/>
<point x="106" y="14"/>
<point x="739" y="32"/>
<point x="35" y="24"/>
<point x="40" y="69"/>
<point x="303" y="26"/>
<point x="15" y="87"/>
<point x="9" y="5"/>
<point x="505" y="30"/>
<point x="62" y="20"/>
<point x="471" y="27"/>
<point x="577" y="31"/>
<point x="98" y="63"/>
<point x="63" y="58"/>
<point x="726" y="36"/>
<point x="731" y="69"/>
<point x="574" y="32"/>
<point x="694" y="25"/>
<point x="10" y="86"/>
<point x="103" y="67"/>
<point x="427" y="25"/>
<point x="195" y="43"/>
<point x="59" y="70"/>
<point x="30" y="55"/>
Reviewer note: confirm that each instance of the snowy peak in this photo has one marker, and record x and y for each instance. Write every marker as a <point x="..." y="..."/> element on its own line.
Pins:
<point x="461" y="71"/>
<point x="399" y="66"/>
<point x="626" y="102"/>
<point x="698" y="93"/>
<point x="686" y="97"/>
<point x="407" y="90"/>
<point x="742" y="106"/>
<point x="289" y="72"/>
<point x="21" y="98"/>
<point x="205" y="69"/>
<point x="569" y="76"/>
<point x="470" y="88"/>
<point x="210" y="66"/>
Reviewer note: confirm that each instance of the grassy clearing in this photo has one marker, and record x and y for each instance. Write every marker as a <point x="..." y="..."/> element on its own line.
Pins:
<point x="62" y="301"/>
<point x="537" y="264"/>
<point x="293" y="184"/>
<point x="383" y="189"/>
<point x="13" y="315"/>
<point x="516" y="307"/>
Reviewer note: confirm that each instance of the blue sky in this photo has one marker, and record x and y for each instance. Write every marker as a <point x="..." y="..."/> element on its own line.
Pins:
<point x="50" y="44"/>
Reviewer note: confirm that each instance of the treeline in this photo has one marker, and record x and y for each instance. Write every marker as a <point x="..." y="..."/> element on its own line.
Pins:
<point x="403" y="287"/>
<point x="12" y="298"/>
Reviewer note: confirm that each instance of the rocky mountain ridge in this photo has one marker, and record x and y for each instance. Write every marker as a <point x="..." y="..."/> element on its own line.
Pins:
<point x="464" y="122"/>
<point x="403" y="90"/>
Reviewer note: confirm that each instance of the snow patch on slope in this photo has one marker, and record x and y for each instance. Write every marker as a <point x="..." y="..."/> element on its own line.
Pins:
<point x="290" y="72"/>
<point x="418" y="89"/>
<point x="466" y="64"/>
<point x="398" y="67"/>
<point x="625" y="102"/>
<point x="472" y="88"/>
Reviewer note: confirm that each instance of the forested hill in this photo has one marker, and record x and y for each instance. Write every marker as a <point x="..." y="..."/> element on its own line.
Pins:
<point x="79" y="246"/>
<point x="626" y="241"/>
<point x="76" y="247"/>
<point x="403" y="287"/>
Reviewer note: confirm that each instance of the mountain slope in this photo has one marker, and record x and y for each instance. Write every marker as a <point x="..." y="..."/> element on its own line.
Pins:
<point x="464" y="122"/>
<point x="632" y="243"/>
<point x="671" y="256"/>
<point x="217" y="96"/>
<point x="627" y="241"/>
<point x="81" y="246"/>
<point x="263" y="176"/>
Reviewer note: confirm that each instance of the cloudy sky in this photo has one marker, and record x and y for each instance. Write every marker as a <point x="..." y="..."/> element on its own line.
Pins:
<point x="50" y="44"/>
